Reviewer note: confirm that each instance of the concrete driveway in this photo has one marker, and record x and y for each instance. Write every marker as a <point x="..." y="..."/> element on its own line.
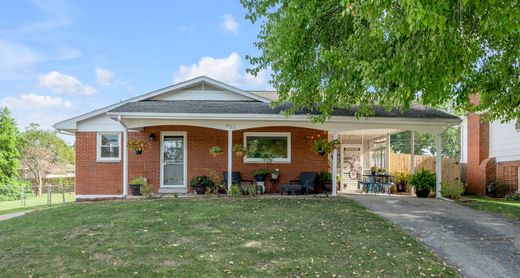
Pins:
<point x="477" y="243"/>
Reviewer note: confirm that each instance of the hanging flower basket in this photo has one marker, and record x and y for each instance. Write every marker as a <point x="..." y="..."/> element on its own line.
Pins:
<point x="216" y="151"/>
<point x="323" y="146"/>
<point x="239" y="150"/>
<point x="137" y="146"/>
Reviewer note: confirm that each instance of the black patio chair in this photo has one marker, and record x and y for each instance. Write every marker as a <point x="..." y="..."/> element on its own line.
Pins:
<point x="305" y="184"/>
<point x="235" y="178"/>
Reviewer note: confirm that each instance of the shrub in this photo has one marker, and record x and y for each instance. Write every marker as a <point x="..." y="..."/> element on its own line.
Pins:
<point x="402" y="178"/>
<point x="202" y="180"/>
<point x="513" y="197"/>
<point x="423" y="179"/>
<point x="257" y="172"/>
<point x="324" y="177"/>
<point x="249" y="188"/>
<point x="235" y="190"/>
<point x="138" y="181"/>
<point x="10" y="192"/>
<point x="452" y="190"/>
<point x="146" y="190"/>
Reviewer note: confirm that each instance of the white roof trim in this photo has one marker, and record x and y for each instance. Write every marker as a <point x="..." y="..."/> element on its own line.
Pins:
<point x="71" y="124"/>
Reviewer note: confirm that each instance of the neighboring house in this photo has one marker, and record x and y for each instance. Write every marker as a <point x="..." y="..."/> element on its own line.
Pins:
<point x="183" y="121"/>
<point x="491" y="151"/>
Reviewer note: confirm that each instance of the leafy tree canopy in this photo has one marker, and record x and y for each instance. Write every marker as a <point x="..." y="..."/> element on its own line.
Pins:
<point x="425" y="143"/>
<point x="35" y="137"/>
<point x="9" y="153"/>
<point x="341" y="53"/>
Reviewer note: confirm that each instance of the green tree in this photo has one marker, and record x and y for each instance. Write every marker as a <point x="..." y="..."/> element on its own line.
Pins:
<point x="9" y="153"/>
<point x="344" y="53"/>
<point x="425" y="143"/>
<point x="9" y="156"/>
<point x="44" y="152"/>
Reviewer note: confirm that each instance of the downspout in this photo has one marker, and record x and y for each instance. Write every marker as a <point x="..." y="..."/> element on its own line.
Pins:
<point x="125" y="157"/>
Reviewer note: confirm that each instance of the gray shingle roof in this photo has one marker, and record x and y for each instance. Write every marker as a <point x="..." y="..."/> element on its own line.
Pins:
<point x="255" y="107"/>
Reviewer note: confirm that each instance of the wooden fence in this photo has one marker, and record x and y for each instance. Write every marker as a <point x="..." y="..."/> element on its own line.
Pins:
<point x="401" y="163"/>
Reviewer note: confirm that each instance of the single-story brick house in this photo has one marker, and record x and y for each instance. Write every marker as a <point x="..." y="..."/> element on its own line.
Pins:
<point x="182" y="122"/>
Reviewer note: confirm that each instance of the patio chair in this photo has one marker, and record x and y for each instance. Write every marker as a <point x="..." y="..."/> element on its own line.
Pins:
<point x="235" y="178"/>
<point x="305" y="184"/>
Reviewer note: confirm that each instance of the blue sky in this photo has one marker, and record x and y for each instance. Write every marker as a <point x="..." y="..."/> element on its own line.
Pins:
<point x="59" y="59"/>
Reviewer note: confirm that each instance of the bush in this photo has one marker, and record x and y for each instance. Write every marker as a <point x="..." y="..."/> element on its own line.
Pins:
<point x="423" y="179"/>
<point x="513" y="197"/>
<point x="146" y="190"/>
<point x="402" y="178"/>
<point x="324" y="177"/>
<point x="249" y="188"/>
<point x="235" y="190"/>
<point x="202" y="180"/>
<point x="10" y="192"/>
<point x="452" y="190"/>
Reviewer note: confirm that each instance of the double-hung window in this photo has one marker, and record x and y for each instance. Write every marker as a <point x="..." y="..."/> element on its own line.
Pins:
<point x="109" y="146"/>
<point x="265" y="147"/>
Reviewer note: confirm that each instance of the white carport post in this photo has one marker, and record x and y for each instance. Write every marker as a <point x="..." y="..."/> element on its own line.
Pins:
<point x="230" y="158"/>
<point x="334" y="166"/>
<point x="387" y="158"/>
<point x="438" y="165"/>
<point x="125" y="157"/>
<point x="412" y="152"/>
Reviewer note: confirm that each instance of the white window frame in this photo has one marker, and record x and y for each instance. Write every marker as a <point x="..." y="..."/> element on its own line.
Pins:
<point x="98" y="147"/>
<point x="269" y="134"/>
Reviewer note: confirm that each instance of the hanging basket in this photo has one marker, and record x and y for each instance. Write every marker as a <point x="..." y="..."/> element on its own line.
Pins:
<point x="138" y="152"/>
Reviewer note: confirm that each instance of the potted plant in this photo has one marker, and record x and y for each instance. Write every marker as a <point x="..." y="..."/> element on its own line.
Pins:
<point x="216" y="151"/>
<point x="135" y="185"/>
<point x="275" y="174"/>
<point x="137" y="146"/>
<point x="325" y="179"/>
<point x="260" y="174"/>
<point x="239" y="150"/>
<point x="423" y="181"/>
<point x="381" y="171"/>
<point x="373" y="170"/>
<point x="200" y="184"/>
<point x="401" y="180"/>
<point x="323" y="146"/>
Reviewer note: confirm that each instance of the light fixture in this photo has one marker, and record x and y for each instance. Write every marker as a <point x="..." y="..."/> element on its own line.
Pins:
<point x="151" y="137"/>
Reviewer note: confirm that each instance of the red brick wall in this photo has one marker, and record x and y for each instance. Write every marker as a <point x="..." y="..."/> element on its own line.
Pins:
<point x="106" y="178"/>
<point x="478" y="150"/>
<point x="95" y="178"/>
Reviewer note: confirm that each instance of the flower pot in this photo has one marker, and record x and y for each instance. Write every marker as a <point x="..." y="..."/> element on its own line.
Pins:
<point x="274" y="176"/>
<point x="423" y="193"/>
<point x="322" y="152"/>
<point x="135" y="189"/>
<point x="327" y="186"/>
<point x="260" y="177"/>
<point x="216" y="154"/>
<point x="239" y="154"/>
<point x="200" y="189"/>
<point x="138" y="152"/>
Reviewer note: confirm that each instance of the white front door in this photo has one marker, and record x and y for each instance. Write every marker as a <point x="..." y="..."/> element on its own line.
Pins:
<point x="351" y="167"/>
<point x="173" y="162"/>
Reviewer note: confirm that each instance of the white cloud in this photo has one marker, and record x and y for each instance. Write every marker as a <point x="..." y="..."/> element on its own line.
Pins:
<point x="228" y="70"/>
<point x="15" y="58"/>
<point x="229" y="24"/>
<point x="64" y="84"/>
<point x="104" y="77"/>
<point x="32" y="108"/>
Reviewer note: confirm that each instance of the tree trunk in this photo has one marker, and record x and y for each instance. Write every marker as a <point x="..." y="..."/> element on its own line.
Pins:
<point x="40" y="184"/>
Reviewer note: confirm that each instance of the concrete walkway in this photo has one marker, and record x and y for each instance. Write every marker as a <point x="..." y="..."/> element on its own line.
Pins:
<point x="477" y="243"/>
<point x="13" y="215"/>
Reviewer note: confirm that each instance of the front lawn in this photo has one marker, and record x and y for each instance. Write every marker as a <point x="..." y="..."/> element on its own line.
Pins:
<point x="212" y="237"/>
<point x="34" y="202"/>
<point x="500" y="206"/>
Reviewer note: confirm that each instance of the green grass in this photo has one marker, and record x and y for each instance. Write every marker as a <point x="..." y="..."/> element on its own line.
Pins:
<point x="34" y="202"/>
<point x="215" y="237"/>
<point x="507" y="208"/>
